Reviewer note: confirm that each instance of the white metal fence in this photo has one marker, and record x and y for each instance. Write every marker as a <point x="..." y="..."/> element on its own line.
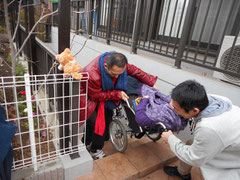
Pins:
<point x="46" y="110"/>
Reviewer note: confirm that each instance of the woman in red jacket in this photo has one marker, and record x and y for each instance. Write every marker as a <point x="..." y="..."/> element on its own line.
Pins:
<point x="106" y="87"/>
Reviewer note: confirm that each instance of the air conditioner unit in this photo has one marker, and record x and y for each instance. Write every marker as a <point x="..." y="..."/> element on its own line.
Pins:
<point x="234" y="61"/>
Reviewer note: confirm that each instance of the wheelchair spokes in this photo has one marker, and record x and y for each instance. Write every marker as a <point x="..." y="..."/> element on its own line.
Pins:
<point x="118" y="135"/>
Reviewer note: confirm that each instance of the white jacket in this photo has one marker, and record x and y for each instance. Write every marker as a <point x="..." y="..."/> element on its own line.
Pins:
<point x="216" y="146"/>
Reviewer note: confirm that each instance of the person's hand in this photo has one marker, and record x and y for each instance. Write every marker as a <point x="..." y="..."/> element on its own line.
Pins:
<point x="166" y="135"/>
<point x="145" y="96"/>
<point x="156" y="87"/>
<point x="124" y="96"/>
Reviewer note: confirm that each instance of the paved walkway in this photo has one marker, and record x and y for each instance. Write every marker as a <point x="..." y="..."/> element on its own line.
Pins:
<point x="143" y="160"/>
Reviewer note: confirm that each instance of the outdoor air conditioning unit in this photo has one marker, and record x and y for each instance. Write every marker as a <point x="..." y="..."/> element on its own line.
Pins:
<point x="234" y="61"/>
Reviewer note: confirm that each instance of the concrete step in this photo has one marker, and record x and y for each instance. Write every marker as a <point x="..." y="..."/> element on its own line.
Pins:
<point x="141" y="158"/>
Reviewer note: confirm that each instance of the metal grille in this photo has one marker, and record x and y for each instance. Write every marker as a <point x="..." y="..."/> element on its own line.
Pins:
<point x="231" y="62"/>
<point x="46" y="110"/>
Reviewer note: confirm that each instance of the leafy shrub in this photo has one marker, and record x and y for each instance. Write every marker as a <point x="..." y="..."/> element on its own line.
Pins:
<point x="20" y="70"/>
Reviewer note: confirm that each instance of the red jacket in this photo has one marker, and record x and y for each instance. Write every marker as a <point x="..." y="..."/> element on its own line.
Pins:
<point x="95" y="92"/>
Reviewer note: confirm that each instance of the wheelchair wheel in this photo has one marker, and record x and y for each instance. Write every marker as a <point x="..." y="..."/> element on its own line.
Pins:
<point x="153" y="136"/>
<point x="118" y="135"/>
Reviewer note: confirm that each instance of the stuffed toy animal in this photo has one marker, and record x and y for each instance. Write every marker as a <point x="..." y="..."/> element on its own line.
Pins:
<point x="69" y="65"/>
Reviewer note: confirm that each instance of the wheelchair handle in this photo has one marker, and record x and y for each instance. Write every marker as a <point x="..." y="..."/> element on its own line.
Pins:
<point x="129" y="106"/>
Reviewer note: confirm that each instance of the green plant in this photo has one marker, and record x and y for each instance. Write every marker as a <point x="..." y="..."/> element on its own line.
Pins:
<point x="20" y="70"/>
<point x="9" y="59"/>
<point x="21" y="109"/>
<point x="3" y="29"/>
<point x="35" y="123"/>
<point x="25" y="125"/>
<point x="21" y="98"/>
<point x="34" y="108"/>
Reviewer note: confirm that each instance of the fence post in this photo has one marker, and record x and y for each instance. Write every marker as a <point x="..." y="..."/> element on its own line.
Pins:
<point x="63" y="88"/>
<point x="109" y="21"/>
<point x="26" y="50"/>
<point x="185" y="32"/>
<point x="90" y="17"/>
<point x="78" y="9"/>
<point x="75" y="110"/>
<point x="32" y="41"/>
<point x="30" y="121"/>
<point x="137" y="25"/>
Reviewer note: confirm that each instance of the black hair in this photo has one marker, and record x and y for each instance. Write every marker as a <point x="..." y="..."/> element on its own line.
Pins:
<point x="117" y="59"/>
<point x="189" y="95"/>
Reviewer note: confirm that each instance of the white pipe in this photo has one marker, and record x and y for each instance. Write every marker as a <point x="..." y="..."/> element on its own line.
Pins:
<point x="30" y="120"/>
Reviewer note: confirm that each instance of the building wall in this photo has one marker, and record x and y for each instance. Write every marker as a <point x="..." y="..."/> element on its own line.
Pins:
<point x="213" y="10"/>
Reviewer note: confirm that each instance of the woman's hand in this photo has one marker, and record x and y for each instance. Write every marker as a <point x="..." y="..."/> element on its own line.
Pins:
<point x="145" y="96"/>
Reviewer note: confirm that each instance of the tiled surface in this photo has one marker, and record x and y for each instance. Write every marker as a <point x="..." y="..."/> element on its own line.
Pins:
<point x="142" y="158"/>
<point x="116" y="167"/>
<point x="161" y="149"/>
<point x="195" y="173"/>
<point x="108" y="148"/>
<point x="156" y="176"/>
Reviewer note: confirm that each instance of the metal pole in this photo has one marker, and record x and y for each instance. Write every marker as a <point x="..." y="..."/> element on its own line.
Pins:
<point x="78" y="8"/>
<point x="63" y="88"/>
<point x="90" y="17"/>
<point x="30" y="121"/>
<point x="185" y="32"/>
<point x="109" y="20"/>
<point x="32" y="66"/>
<point x="136" y="25"/>
<point x="26" y="19"/>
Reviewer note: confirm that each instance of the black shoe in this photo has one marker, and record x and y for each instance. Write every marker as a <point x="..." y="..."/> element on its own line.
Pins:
<point x="172" y="171"/>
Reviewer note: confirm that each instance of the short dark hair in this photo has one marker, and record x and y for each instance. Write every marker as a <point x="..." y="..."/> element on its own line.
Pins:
<point x="189" y="95"/>
<point x="117" y="59"/>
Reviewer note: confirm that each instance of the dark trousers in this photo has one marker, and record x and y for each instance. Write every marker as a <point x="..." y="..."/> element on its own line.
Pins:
<point x="97" y="140"/>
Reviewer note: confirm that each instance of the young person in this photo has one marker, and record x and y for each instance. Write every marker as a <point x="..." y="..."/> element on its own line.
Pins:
<point x="216" y="144"/>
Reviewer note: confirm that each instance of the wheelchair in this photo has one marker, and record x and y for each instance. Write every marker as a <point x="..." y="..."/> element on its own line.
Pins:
<point x="123" y="124"/>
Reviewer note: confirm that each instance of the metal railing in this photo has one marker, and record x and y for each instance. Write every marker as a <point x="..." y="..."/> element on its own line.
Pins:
<point x="41" y="136"/>
<point x="78" y="16"/>
<point x="190" y="31"/>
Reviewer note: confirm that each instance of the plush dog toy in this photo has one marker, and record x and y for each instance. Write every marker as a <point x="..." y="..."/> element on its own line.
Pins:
<point x="69" y="65"/>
